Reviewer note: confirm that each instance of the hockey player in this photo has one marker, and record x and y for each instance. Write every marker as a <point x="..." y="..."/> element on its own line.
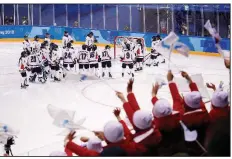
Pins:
<point x="44" y="55"/>
<point x="35" y="64"/>
<point x="66" y="39"/>
<point x="127" y="59"/>
<point x="48" y="39"/>
<point x="55" y="63"/>
<point x="23" y="69"/>
<point x="68" y="57"/>
<point x="93" y="61"/>
<point x="83" y="60"/>
<point x="89" y="41"/>
<point x="105" y="59"/>
<point x="154" y="53"/>
<point x="36" y="45"/>
<point x="27" y="45"/>
<point x="139" y="53"/>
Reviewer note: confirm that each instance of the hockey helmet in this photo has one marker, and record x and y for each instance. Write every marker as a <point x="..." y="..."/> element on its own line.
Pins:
<point x="153" y="38"/>
<point x="84" y="47"/>
<point x="36" y="38"/>
<point x="107" y="47"/>
<point x="25" y="37"/>
<point x="90" y="34"/>
<point x="69" y="45"/>
<point x="65" y="33"/>
<point x="94" y="47"/>
<point x="139" y="41"/>
<point x="128" y="46"/>
<point x="23" y="54"/>
<point x="47" y="34"/>
<point x="158" y="37"/>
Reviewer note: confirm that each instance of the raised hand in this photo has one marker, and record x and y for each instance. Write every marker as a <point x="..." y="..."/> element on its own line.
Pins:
<point x="69" y="137"/>
<point x="170" y="76"/>
<point x="155" y="89"/>
<point x="121" y="96"/>
<point x="211" y="85"/>
<point x="186" y="76"/>
<point x="117" y="112"/>
<point x="130" y="85"/>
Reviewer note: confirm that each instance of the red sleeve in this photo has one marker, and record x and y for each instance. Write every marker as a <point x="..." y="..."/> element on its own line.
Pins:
<point x="177" y="100"/>
<point x="154" y="100"/>
<point x="80" y="151"/>
<point x="193" y="87"/>
<point x="127" y="132"/>
<point x="68" y="152"/>
<point x="133" y="102"/>
<point x="129" y="112"/>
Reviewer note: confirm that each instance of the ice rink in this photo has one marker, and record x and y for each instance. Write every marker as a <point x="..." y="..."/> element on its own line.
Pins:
<point x="25" y="109"/>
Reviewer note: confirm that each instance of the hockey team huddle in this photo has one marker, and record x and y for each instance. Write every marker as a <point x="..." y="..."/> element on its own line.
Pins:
<point x="41" y="60"/>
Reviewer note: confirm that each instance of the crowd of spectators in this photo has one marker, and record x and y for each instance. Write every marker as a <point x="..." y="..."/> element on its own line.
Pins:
<point x="161" y="131"/>
<point x="10" y="20"/>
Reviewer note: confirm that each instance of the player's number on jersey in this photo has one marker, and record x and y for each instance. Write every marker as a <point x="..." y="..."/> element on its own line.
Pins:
<point x="104" y="54"/>
<point x="92" y="55"/>
<point x="33" y="59"/>
<point x="127" y="55"/>
<point x="83" y="56"/>
<point x="67" y="55"/>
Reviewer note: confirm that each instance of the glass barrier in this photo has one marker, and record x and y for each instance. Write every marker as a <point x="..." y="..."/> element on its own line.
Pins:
<point x="137" y="18"/>
<point x="151" y="16"/>
<point x="124" y="17"/>
<point x="98" y="14"/>
<point x="110" y="16"/>
<point x="73" y="12"/>
<point x="60" y="14"/>
<point x="184" y="19"/>
<point x="8" y="13"/>
<point x="85" y="18"/>
<point x="47" y="13"/>
<point x="23" y="14"/>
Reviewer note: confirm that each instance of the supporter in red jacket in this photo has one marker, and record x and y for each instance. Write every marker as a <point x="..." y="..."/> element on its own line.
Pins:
<point x="145" y="134"/>
<point x="113" y="134"/>
<point x="219" y="104"/>
<point x="165" y="117"/>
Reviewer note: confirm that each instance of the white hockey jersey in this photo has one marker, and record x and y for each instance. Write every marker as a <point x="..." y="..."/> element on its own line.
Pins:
<point x="153" y="45"/>
<point x="55" y="58"/>
<point x="22" y="64"/>
<point x="36" y="46"/>
<point x="27" y="45"/>
<point x="128" y="56"/>
<point x="68" y="55"/>
<point x="34" y="60"/>
<point x="105" y="55"/>
<point x="66" y="40"/>
<point x="89" y="41"/>
<point x="93" y="57"/>
<point x="139" y="51"/>
<point x="48" y="40"/>
<point x="83" y="56"/>
<point x="44" y="54"/>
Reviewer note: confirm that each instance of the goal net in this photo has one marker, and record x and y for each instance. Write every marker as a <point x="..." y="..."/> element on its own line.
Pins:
<point x="118" y="40"/>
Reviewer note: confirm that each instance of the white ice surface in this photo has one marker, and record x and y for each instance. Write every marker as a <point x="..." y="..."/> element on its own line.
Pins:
<point x="93" y="99"/>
